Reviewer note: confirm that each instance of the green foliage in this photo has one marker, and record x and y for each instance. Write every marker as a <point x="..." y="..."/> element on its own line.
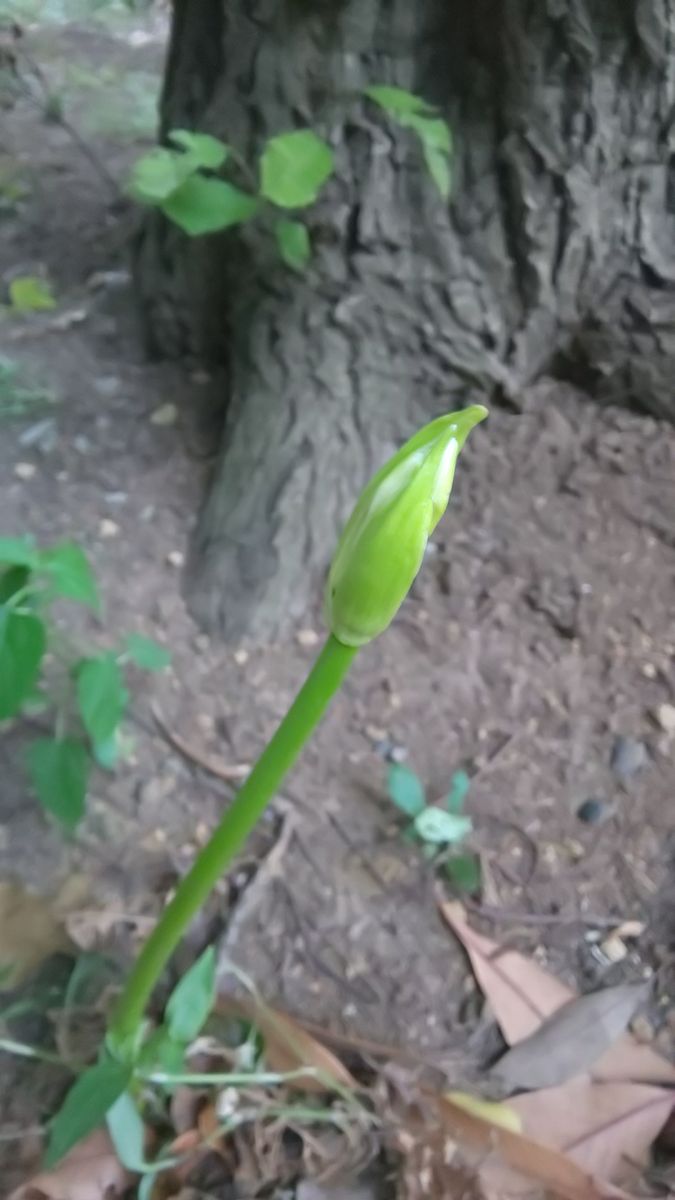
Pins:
<point x="437" y="826"/>
<point x="459" y="787"/>
<point x="293" y="243"/>
<point x="29" y="293"/>
<point x="192" y="999"/>
<point x="146" y="653"/>
<point x="59" y="772"/>
<point x="294" y="167"/>
<point x="414" y="113"/>
<point x="85" y="1106"/>
<point x="440" y="828"/>
<point x="397" y="101"/>
<point x="464" y="872"/>
<point x="201" y="149"/>
<point x="202" y="205"/>
<point x="406" y="790"/>
<point x="70" y="573"/>
<point x="22" y="645"/>
<point x="91" y="701"/>
<point x="18" y="398"/>
<point x="101" y="695"/>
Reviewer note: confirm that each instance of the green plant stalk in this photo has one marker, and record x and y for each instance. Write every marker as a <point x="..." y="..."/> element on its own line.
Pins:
<point x="240" y="818"/>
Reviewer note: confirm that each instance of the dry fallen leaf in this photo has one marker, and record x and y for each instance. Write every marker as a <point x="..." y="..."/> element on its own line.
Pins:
<point x="91" y="1171"/>
<point x="511" y="1162"/>
<point x="287" y="1045"/>
<point x="606" y="1128"/>
<point x="30" y="930"/>
<point x="571" y="1040"/>
<point x="523" y="995"/>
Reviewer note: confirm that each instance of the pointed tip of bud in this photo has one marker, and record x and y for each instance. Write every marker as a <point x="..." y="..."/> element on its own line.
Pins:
<point x="383" y="543"/>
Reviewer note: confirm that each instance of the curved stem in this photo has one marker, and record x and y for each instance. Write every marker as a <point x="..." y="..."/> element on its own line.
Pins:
<point x="227" y="839"/>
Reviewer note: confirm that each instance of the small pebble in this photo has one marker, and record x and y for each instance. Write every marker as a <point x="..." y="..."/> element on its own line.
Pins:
<point x="175" y="558"/>
<point x="628" y="757"/>
<point x="665" y="716"/>
<point x="108" y="528"/>
<point x="82" y="444"/>
<point x="107" y="385"/>
<point x="614" y="949"/>
<point x="241" y="657"/>
<point x="307" y="637"/>
<point x="592" y="812"/>
<point x="390" y="751"/>
<point x="24" y="470"/>
<point x="165" y="415"/>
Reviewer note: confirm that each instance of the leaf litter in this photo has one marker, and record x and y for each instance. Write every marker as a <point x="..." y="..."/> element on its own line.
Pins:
<point x="597" y="1115"/>
<point x="585" y="1136"/>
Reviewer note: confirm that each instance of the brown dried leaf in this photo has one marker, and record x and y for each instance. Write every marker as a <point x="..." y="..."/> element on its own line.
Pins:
<point x="523" y="995"/>
<point x="30" y="930"/>
<point x="605" y="1128"/>
<point x="91" y="1171"/>
<point x="515" y="1158"/>
<point x="571" y="1040"/>
<point x="287" y="1045"/>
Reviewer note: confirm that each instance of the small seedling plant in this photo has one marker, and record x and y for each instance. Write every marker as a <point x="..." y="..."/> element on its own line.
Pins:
<point x="188" y="179"/>
<point x="440" y="828"/>
<point x="81" y="695"/>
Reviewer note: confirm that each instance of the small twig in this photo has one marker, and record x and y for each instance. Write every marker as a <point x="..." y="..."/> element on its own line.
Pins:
<point x="502" y="914"/>
<point x="59" y="118"/>
<point x="230" y="773"/>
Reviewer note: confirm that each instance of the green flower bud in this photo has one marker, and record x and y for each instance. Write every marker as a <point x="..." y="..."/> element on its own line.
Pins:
<point x="383" y="542"/>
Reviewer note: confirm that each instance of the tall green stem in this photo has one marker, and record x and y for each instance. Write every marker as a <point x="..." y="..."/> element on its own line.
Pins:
<point x="275" y="761"/>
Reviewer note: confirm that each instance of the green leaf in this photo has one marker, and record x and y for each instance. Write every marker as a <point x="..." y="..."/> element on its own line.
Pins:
<point x="405" y="790"/>
<point x="203" y="150"/>
<point x="107" y="753"/>
<point x="396" y="101"/>
<point x="101" y="695"/>
<point x="20" y="552"/>
<point x="85" y="1106"/>
<point x="464" y="871"/>
<point x="127" y="1133"/>
<point x="23" y="642"/>
<point x="432" y="131"/>
<point x="436" y="147"/>
<point x="71" y="574"/>
<point x="59" y="772"/>
<point x="439" y="169"/>
<point x="293" y="242"/>
<point x="146" y="653"/>
<point x="12" y="581"/>
<point x="29" y="293"/>
<point x="158" y="174"/>
<point x="440" y="828"/>
<point x="293" y="168"/>
<point x="459" y="787"/>
<point x="162" y="1052"/>
<point x="192" y="999"/>
<point x="208" y="205"/>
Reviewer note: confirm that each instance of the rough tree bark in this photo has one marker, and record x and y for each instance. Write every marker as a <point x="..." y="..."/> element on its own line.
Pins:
<point x="556" y="255"/>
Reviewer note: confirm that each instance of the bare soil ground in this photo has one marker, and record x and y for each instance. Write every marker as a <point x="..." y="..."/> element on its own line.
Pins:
<point x="541" y="632"/>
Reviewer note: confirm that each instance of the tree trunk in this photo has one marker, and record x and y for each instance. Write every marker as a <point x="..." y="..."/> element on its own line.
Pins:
<point x="556" y="255"/>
